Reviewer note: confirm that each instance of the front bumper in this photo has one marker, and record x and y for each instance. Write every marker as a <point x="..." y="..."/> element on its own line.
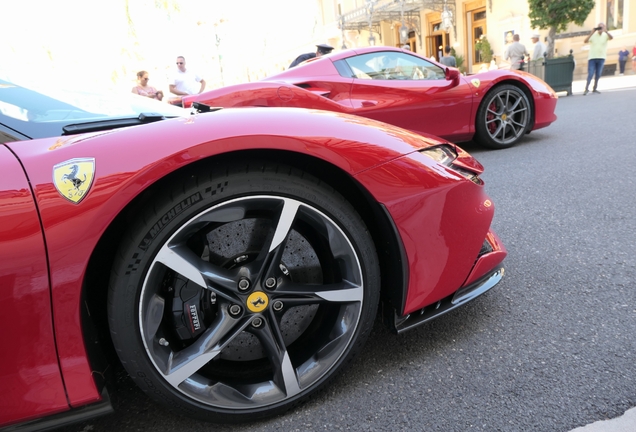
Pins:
<point x="447" y="304"/>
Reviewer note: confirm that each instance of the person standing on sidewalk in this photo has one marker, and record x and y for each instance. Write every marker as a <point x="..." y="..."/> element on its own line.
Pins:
<point x="321" y="50"/>
<point x="185" y="82"/>
<point x="539" y="49"/>
<point x="596" y="58"/>
<point x="448" y="59"/>
<point x="515" y="52"/>
<point x="622" y="60"/>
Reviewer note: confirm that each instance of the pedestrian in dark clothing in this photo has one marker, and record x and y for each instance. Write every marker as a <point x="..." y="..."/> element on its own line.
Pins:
<point x="448" y="59"/>
<point x="321" y="50"/>
<point x="622" y="59"/>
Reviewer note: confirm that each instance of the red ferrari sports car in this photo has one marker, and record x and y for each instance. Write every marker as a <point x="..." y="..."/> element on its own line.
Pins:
<point x="233" y="260"/>
<point x="399" y="87"/>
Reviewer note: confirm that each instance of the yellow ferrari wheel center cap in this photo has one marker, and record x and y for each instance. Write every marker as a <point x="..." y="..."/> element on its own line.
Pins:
<point x="504" y="117"/>
<point x="257" y="301"/>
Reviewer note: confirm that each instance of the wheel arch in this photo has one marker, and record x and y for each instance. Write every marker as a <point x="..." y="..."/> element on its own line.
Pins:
<point x="384" y="234"/>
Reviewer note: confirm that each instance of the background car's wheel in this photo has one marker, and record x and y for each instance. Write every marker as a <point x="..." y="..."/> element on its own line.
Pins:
<point x="238" y="295"/>
<point x="503" y="117"/>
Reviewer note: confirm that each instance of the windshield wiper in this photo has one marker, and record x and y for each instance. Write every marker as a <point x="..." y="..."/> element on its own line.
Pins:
<point x="100" y="125"/>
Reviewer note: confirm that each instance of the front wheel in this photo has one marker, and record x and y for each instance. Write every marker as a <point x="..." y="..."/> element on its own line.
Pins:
<point x="240" y="294"/>
<point x="503" y="117"/>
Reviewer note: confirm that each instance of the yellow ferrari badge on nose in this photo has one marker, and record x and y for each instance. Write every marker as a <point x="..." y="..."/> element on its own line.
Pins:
<point x="475" y="82"/>
<point x="74" y="178"/>
<point x="257" y="301"/>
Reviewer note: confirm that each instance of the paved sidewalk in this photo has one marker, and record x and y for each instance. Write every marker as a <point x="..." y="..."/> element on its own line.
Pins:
<point x="606" y="83"/>
<point x="626" y="423"/>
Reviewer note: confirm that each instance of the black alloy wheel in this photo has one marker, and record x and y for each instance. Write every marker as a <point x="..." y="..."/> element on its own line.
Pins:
<point x="503" y="117"/>
<point x="240" y="293"/>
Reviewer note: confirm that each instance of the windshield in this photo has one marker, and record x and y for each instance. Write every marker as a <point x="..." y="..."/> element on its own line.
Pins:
<point x="37" y="115"/>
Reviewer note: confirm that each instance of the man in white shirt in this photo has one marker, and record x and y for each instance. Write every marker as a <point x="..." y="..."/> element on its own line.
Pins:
<point x="186" y="82"/>
<point x="539" y="47"/>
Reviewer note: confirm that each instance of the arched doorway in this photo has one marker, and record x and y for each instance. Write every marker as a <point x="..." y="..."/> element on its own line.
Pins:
<point x="437" y="40"/>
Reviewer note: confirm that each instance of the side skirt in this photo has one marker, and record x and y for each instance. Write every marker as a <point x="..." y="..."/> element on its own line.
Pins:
<point x="68" y="417"/>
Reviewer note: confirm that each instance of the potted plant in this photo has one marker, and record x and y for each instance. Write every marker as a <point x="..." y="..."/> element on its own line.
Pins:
<point x="485" y="51"/>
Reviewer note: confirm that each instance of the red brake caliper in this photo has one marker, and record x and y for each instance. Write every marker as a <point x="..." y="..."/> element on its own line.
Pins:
<point x="492" y="126"/>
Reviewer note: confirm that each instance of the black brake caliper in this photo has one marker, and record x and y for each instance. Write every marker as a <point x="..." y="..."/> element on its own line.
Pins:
<point x="192" y="308"/>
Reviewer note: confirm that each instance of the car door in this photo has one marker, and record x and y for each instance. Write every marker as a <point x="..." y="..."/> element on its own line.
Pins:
<point x="30" y="380"/>
<point x="411" y="92"/>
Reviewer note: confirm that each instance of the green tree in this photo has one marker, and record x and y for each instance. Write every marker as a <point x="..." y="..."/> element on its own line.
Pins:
<point x="555" y="15"/>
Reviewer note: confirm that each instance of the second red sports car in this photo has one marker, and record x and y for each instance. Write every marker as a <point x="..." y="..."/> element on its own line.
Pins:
<point x="495" y="108"/>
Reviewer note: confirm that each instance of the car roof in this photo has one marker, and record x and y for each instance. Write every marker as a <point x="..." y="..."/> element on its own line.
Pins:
<point x="365" y="50"/>
<point x="323" y="66"/>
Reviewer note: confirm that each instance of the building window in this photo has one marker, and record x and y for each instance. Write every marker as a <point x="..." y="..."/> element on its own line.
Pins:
<point x="614" y="14"/>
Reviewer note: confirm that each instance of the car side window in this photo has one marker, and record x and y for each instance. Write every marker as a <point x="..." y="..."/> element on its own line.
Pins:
<point x="389" y="65"/>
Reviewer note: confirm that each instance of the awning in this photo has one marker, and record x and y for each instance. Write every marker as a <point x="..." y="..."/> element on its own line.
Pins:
<point x="377" y="11"/>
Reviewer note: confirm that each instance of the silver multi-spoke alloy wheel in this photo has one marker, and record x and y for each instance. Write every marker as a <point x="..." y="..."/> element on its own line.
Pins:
<point x="247" y="302"/>
<point x="503" y="118"/>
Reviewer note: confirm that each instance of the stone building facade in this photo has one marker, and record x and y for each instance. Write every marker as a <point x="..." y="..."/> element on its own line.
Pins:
<point x="428" y="25"/>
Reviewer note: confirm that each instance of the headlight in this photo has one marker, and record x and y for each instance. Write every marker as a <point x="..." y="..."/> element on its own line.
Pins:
<point x="445" y="155"/>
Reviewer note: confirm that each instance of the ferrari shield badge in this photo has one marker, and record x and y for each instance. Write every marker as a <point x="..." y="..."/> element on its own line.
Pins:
<point x="475" y="82"/>
<point x="74" y="178"/>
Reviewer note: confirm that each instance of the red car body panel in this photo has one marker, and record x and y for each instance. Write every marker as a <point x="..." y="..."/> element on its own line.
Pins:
<point x="445" y="108"/>
<point x="489" y="260"/>
<point x="454" y="207"/>
<point x="31" y="383"/>
<point x="442" y="229"/>
<point x="403" y="104"/>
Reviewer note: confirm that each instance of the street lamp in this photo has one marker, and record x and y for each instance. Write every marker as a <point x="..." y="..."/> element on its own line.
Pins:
<point x="370" y="18"/>
<point x="404" y="34"/>
<point x="342" y="27"/>
<point x="447" y="18"/>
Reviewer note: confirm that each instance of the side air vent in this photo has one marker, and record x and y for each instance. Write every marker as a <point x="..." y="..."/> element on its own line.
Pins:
<point x="315" y="90"/>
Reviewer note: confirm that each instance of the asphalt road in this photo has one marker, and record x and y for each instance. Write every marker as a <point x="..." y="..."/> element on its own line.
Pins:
<point x="551" y="348"/>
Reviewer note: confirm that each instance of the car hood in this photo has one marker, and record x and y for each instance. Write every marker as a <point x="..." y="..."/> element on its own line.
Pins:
<point x="366" y="143"/>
